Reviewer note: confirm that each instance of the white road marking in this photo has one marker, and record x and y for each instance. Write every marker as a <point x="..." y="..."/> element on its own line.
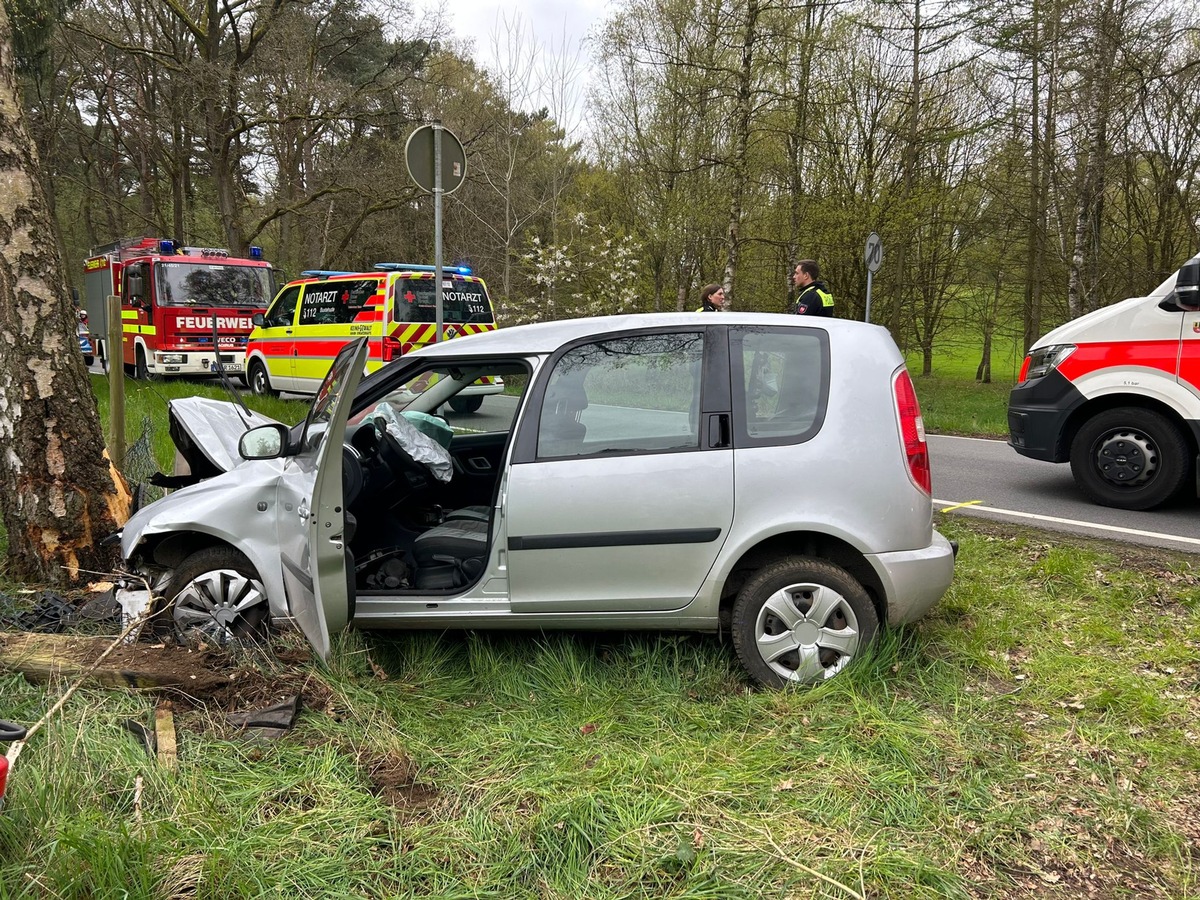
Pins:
<point x="1076" y="522"/>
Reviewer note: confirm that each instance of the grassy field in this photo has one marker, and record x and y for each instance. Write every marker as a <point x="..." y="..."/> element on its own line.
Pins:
<point x="1035" y="736"/>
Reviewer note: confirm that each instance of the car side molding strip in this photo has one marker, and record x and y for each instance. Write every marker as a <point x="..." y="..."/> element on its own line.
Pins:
<point x="614" y="539"/>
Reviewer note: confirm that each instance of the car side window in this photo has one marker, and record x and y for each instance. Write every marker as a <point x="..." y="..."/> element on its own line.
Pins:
<point x="635" y="394"/>
<point x="336" y="302"/>
<point x="283" y="310"/>
<point x="780" y="381"/>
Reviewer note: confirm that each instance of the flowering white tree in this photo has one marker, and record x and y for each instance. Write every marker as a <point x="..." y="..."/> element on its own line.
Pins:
<point x="592" y="273"/>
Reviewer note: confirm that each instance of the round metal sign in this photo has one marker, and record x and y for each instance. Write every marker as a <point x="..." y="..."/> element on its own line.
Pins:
<point x="874" y="253"/>
<point x="419" y="155"/>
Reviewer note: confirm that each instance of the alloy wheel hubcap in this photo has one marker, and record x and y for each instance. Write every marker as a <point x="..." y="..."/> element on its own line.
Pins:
<point x="807" y="632"/>
<point x="216" y="603"/>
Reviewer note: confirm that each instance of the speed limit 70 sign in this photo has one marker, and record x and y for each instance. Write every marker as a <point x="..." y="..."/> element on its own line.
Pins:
<point x="874" y="253"/>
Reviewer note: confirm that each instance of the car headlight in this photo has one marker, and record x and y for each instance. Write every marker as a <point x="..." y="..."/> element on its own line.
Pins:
<point x="1046" y="359"/>
<point x="177" y="358"/>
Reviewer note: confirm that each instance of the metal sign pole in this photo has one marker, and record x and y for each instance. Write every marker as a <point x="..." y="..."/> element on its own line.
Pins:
<point x="437" y="226"/>
<point x="867" y="317"/>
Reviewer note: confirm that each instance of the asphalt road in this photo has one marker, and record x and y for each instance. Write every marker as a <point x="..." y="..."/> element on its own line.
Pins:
<point x="988" y="479"/>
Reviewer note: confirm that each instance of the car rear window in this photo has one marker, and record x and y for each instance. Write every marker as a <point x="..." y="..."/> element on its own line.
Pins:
<point x="462" y="301"/>
<point x="783" y="374"/>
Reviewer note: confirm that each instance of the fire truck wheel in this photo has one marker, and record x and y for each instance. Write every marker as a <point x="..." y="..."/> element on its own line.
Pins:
<point x="466" y="404"/>
<point x="141" y="372"/>
<point x="1130" y="458"/>
<point x="215" y="595"/>
<point x="260" y="382"/>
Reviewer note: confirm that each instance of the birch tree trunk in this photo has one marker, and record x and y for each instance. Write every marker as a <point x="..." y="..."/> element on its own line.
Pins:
<point x="59" y="493"/>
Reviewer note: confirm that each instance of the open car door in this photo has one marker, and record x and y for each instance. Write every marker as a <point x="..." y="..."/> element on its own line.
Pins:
<point x="312" y="524"/>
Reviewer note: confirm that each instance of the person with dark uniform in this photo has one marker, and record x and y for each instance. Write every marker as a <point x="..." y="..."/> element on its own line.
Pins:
<point x="813" y="299"/>
<point x="712" y="299"/>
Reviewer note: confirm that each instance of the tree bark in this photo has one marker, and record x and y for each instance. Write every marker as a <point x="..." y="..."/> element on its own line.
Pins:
<point x="60" y="494"/>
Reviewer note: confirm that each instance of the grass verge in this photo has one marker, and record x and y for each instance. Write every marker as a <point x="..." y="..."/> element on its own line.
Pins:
<point x="1035" y="735"/>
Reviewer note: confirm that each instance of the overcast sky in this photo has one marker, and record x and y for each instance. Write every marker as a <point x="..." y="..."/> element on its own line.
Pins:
<point x="559" y="27"/>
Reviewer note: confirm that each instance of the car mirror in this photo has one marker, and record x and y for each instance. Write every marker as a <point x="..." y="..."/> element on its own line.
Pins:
<point x="1187" y="286"/>
<point x="258" y="319"/>
<point x="264" y="442"/>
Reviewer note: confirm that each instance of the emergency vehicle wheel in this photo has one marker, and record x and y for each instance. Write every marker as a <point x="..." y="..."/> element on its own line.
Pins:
<point x="801" y="620"/>
<point x="1129" y="458"/>
<point x="215" y="595"/>
<point x="466" y="404"/>
<point x="141" y="372"/>
<point x="260" y="382"/>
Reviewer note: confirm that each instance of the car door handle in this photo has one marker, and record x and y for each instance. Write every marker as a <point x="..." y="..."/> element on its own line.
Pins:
<point x="718" y="431"/>
<point x="480" y="464"/>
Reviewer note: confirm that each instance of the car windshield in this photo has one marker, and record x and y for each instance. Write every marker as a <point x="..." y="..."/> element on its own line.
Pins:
<point x="213" y="284"/>
<point x="463" y="301"/>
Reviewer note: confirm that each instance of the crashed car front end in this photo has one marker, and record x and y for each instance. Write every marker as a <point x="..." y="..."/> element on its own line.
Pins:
<point x="236" y="509"/>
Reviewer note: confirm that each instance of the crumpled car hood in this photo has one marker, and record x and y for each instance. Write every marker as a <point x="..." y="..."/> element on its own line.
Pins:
<point x="206" y="432"/>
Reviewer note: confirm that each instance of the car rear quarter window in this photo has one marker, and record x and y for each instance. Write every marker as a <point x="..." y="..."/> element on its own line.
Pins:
<point x="634" y="394"/>
<point x="781" y="383"/>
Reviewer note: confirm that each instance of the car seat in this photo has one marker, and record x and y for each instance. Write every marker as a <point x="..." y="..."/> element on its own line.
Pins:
<point x="451" y="555"/>
<point x="560" y="431"/>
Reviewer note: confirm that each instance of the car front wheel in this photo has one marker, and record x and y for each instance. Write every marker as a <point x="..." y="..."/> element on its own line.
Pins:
<point x="800" y="621"/>
<point x="1129" y="458"/>
<point x="216" y="595"/>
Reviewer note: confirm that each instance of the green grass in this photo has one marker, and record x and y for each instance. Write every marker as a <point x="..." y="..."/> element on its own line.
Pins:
<point x="951" y="405"/>
<point x="1034" y="736"/>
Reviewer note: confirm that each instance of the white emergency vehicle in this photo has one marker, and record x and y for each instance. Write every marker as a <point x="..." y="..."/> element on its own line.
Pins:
<point x="1116" y="393"/>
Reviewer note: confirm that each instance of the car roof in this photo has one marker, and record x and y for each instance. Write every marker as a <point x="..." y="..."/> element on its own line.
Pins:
<point x="546" y="337"/>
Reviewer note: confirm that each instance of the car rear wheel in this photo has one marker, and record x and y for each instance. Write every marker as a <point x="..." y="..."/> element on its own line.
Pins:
<point x="800" y="621"/>
<point x="215" y="595"/>
<point x="260" y="382"/>
<point x="1129" y="458"/>
<point x="466" y="404"/>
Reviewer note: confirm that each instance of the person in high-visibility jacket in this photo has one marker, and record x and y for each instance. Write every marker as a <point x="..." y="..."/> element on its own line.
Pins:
<point x="814" y="298"/>
<point x="712" y="298"/>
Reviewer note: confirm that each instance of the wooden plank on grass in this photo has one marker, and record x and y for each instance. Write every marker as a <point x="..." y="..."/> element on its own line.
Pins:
<point x="164" y="735"/>
<point x="43" y="657"/>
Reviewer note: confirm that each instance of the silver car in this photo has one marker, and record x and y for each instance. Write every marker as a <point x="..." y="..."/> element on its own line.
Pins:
<point x="758" y="475"/>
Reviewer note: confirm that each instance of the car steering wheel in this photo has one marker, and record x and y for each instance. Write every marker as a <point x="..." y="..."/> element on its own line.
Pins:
<point x="399" y="460"/>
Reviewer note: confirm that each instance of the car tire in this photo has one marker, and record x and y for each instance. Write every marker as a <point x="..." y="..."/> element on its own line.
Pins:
<point x="1130" y="458"/>
<point x="260" y="381"/>
<point x="466" y="405"/>
<point x="215" y="596"/>
<point x="801" y="620"/>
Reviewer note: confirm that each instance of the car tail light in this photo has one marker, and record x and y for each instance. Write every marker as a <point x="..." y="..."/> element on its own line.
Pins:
<point x="392" y="348"/>
<point x="912" y="431"/>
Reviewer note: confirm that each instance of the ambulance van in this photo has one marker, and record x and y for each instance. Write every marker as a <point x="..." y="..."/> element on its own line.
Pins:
<point x="295" y="342"/>
<point x="1116" y="393"/>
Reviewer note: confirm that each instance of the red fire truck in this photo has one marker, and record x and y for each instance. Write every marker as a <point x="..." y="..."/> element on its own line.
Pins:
<point x="171" y="298"/>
